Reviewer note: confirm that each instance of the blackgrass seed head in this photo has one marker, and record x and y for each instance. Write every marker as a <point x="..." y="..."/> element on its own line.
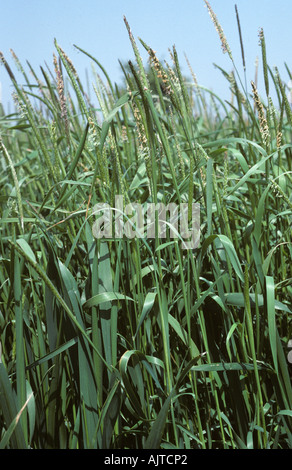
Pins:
<point x="219" y="29"/>
<point x="264" y="129"/>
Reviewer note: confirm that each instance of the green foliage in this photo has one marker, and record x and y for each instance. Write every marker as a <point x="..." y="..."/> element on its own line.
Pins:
<point x="139" y="343"/>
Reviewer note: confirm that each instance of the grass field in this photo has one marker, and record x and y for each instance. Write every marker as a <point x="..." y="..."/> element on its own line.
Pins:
<point x="138" y="343"/>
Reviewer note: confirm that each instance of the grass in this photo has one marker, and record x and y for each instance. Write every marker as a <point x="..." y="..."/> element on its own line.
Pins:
<point x="139" y="343"/>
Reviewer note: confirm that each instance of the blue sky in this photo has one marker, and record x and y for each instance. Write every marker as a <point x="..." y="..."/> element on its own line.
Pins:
<point x="30" y="26"/>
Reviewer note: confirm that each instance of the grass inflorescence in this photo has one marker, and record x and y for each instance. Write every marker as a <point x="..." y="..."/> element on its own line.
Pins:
<point x="118" y="343"/>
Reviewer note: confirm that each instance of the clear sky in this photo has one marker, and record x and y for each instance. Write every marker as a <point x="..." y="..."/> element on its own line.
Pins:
<point x="30" y="26"/>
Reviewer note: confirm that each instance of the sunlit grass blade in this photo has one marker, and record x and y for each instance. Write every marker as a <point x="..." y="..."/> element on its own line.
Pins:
<point x="270" y="309"/>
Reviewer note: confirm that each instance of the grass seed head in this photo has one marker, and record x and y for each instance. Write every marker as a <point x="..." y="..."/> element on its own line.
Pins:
<point x="219" y="29"/>
<point x="264" y="129"/>
<point x="8" y="69"/>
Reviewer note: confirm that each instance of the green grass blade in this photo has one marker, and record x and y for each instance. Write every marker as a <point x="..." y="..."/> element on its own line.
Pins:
<point x="270" y="309"/>
<point x="9" y="410"/>
<point x="155" y="435"/>
<point x="20" y="355"/>
<point x="7" y="435"/>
